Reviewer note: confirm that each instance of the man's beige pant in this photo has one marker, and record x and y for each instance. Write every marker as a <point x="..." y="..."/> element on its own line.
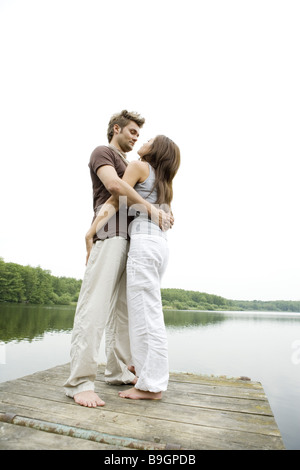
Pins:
<point x="101" y="305"/>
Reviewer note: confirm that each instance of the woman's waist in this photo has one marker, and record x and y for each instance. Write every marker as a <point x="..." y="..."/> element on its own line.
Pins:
<point x="141" y="226"/>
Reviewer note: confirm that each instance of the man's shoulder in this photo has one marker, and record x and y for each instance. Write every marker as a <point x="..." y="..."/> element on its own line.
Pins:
<point x="101" y="155"/>
<point x="102" y="150"/>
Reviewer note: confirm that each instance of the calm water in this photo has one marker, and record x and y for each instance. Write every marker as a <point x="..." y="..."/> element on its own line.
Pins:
<point x="262" y="346"/>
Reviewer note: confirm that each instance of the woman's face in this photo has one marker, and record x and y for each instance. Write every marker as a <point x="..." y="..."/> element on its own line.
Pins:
<point x="145" y="148"/>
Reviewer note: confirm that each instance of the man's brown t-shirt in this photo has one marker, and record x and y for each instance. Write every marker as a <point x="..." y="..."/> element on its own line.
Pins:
<point x="118" y="224"/>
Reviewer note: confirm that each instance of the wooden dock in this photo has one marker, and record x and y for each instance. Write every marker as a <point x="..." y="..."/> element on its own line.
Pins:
<point x="197" y="412"/>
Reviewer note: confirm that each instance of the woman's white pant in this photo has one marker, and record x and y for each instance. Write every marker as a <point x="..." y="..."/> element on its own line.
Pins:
<point x="147" y="261"/>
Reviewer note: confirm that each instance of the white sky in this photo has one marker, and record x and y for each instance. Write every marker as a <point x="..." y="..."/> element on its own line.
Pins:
<point x="221" y="78"/>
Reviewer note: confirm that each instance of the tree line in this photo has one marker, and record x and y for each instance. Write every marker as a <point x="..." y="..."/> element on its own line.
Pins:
<point x="35" y="285"/>
<point x="180" y="299"/>
<point x="38" y="286"/>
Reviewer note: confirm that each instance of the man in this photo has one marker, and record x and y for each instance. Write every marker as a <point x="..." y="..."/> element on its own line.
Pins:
<point x="102" y="300"/>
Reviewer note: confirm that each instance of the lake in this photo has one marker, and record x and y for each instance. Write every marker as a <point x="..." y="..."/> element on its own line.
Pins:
<point x="262" y="346"/>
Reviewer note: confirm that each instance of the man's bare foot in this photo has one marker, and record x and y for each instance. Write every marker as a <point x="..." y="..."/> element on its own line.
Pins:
<point x="88" y="398"/>
<point x="135" y="394"/>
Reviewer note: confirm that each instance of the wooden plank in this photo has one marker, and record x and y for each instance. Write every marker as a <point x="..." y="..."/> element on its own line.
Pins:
<point x="195" y="418"/>
<point x="186" y="397"/>
<point x="185" y="435"/>
<point x="205" y="385"/>
<point x="14" y="437"/>
<point x="168" y="412"/>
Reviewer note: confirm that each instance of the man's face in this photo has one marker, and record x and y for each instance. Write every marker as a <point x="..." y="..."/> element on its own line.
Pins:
<point x="127" y="137"/>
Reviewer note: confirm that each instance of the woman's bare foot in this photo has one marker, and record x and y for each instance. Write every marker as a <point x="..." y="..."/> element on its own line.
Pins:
<point x="132" y="369"/>
<point x="88" y="398"/>
<point x="135" y="394"/>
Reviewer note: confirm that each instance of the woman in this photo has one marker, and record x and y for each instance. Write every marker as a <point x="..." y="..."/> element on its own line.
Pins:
<point x="152" y="178"/>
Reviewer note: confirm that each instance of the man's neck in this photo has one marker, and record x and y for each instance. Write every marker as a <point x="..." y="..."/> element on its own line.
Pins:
<point x="120" y="152"/>
<point x="116" y="147"/>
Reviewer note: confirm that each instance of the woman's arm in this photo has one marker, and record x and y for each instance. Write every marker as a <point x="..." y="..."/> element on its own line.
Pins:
<point x="135" y="172"/>
<point x="125" y="186"/>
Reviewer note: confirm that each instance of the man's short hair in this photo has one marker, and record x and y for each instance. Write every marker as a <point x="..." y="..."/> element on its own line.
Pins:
<point x="122" y="119"/>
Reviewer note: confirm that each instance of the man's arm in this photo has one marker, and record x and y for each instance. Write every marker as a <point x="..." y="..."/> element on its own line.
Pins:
<point x="124" y="187"/>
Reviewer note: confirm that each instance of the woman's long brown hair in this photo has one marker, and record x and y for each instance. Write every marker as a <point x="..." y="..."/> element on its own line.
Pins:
<point x="164" y="157"/>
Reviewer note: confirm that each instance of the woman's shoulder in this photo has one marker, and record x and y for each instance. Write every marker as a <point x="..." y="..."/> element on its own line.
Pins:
<point x="141" y="168"/>
<point x="138" y="164"/>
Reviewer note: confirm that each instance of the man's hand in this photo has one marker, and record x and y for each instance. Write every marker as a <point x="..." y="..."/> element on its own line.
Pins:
<point x="89" y="245"/>
<point x="164" y="220"/>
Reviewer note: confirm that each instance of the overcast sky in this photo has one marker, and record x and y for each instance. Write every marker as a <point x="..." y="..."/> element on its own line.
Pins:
<point x="221" y="78"/>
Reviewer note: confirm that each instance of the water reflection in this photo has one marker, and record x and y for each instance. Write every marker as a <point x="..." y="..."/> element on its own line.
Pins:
<point x="29" y="322"/>
<point x="258" y="345"/>
<point x="188" y="318"/>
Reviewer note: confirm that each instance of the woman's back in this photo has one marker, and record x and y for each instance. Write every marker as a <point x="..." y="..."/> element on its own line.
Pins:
<point x="141" y="223"/>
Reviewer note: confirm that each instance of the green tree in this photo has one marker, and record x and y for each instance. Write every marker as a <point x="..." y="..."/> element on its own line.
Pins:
<point x="11" y="283"/>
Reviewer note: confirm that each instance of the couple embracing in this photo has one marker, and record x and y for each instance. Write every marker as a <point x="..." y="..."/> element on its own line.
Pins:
<point x="127" y="254"/>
